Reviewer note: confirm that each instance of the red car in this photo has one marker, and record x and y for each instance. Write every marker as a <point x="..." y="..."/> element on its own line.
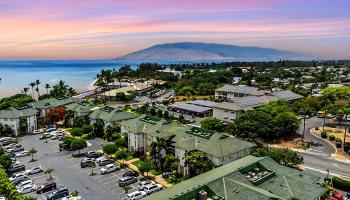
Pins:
<point x="48" y="186"/>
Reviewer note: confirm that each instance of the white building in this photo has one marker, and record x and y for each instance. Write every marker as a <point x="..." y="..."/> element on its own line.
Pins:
<point x="19" y="117"/>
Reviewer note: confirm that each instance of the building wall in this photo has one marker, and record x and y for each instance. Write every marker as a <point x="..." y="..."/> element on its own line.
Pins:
<point x="31" y="123"/>
<point x="224" y="115"/>
<point x="13" y="123"/>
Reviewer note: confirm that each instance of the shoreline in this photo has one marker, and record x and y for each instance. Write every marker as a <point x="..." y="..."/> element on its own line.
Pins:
<point x="92" y="86"/>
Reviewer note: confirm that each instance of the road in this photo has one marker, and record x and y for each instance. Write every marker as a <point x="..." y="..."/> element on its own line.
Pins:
<point x="318" y="163"/>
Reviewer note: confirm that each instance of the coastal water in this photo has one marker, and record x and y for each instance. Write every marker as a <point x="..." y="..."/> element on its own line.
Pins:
<point x="17" y="74"/>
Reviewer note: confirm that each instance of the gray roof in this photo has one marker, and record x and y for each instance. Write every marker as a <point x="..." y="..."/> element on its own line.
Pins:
<point x="241" y="89"/>
<point x="287" y="95"/>
<point x="190" y="107"/>
<point x="204" y="103"/>
<point x="228" y="106"/>
<point x="251" y="102"/>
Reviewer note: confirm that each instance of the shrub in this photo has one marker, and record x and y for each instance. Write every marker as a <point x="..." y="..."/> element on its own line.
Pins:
<point x="110" y="149"/>
<point x="87" y="129"/>
<point x="349" y="152"/>
<point x="340" y="183"/>
<point x="337" y="140"/>
<point x="347" y="146"/>
<point x="338" y="144"/>
<point x="324" y="134"/>
<point x="76" y="132"/>
<point x="331" y="137"/>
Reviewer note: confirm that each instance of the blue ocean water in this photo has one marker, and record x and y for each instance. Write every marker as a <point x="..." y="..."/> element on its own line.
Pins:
<point x="17" y="74"/>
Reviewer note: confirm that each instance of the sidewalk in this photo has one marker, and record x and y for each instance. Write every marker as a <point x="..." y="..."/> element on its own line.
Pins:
<point x="157" y="179"/>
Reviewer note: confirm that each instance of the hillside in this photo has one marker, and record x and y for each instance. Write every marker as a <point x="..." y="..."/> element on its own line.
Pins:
<point x="209" y="51"/>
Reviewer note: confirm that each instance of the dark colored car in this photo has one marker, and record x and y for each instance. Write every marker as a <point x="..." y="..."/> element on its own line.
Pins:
<point x="127" y="181"/>
<point x="131" y="173"/>
<point x="93" y="154"/>
<point x="57" y="194"/>
<point x="166" y="175"/>
<point x="16" y="168"/>
<point x="86" y="162"/>
<point x="48" y="186"/>
<point x="18" y="181"/>
<point x="105" y="162"/>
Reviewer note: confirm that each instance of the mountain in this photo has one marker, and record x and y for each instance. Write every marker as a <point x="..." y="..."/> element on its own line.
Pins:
<point x="209" y="51"/>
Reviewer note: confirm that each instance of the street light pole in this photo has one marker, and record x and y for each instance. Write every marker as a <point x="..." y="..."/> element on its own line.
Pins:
<point x="327" y="173"/>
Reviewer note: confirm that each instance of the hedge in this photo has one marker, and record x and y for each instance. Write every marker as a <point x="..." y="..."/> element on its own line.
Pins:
<point x="8" y="189"/>
<point x="341" y="184"/>
<point x="331" y="137"/>
<point x="76" y="131"/>
<point x="324" y="134"/>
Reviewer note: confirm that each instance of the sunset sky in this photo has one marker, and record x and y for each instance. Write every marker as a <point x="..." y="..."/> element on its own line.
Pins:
<point x="102" y="29"/>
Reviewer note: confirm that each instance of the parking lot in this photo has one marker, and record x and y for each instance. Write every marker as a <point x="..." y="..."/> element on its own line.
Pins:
<point x="68" y="173"/>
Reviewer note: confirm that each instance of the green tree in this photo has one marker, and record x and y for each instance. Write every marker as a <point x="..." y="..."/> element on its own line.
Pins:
<point x="79" y="121"/>
<point x="212" y="124"/>
<point x="283" y="156"/>
<point x="127" y="189"/>
<point x="49" y="171"/>
<point x="110" y="149"/>
<point x="145" y="167"/>
<point x="78" y="144"/>
<point x="5" y="161"/>
<point x="92" y="165"/>
<point x="152" y="111"/>
<point x="121" y="155"/>
<point x="287" y="124"/>
<point x="31" y="152"/>
<point x="170" y="163"/>
<point x="304" y="112"/>
<point x="197" y="163"/>
<point x="166" y="114"/>
<point x="99" y="127"/>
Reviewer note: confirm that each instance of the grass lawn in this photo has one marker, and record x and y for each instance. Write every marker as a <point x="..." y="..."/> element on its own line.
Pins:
<point x="338" y="133"/>
<point x="153" y="171"/>
<point x="137" y="163"/>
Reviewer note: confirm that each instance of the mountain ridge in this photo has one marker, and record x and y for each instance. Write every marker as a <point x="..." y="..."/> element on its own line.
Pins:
<point x="210" y="51"/>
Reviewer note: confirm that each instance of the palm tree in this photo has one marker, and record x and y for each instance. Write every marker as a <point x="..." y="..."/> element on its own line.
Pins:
<point x="32" y="84"/>
<point x="49" y="171"/>
<point x="32" y="151"/>
<point x="47" y="87"/>
<point x="37" y="82"/>
<point x="92" y="165"/>
<point x="25" y="90"/>
<point x="346" y="111"/>
<point x="304" y="112"/>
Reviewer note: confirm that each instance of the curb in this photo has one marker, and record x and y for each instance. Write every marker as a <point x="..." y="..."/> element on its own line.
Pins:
<point x="334" y="147"/>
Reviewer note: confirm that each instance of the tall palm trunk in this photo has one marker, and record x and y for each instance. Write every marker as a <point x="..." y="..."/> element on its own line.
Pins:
<point x="304" y="129"/>
<point x="345" y="127"/>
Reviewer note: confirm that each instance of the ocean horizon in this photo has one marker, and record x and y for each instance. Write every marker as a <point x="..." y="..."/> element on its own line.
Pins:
<point x="17" y="74"/>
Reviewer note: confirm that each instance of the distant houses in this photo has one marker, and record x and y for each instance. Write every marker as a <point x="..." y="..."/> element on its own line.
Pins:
<point x="230" y="92"/>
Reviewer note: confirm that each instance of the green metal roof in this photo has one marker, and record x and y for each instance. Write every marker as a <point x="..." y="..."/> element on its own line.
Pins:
<point x="52" y="102"/>
<point x="187" y="137"/>
<point x="14" y="113"/>
<point x="81" y="107"/>
<point x="110" y="114"/>
<point x="227" y="181"/>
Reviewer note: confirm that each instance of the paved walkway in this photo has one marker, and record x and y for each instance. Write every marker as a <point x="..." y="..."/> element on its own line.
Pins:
<point x="157" y="179"/>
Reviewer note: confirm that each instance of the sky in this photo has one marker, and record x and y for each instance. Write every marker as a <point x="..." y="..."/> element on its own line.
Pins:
<point x="103" y="29"/>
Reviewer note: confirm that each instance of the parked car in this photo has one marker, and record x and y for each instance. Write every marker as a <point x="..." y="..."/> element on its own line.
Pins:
<point x="50" y="130"/>
<point x="15" y="176"/>
<point x="34" y="170"/>
<point x="86" y="162"/>
<point x="16" y="168"/>
<point x="45" y="136"/>
<point x="70" y="197"/>
<point x="26" y="189"/>
<point x="136" y="195"/>
<point x="48" y="186"/>
<point x="127" y="181"/>
<point x="142" y="184"/>
<point x="109" y="168"/>
<point x="58" y="193"/>
<point x="152" y="188"/>
<point x="36" y="132"/>
<point x="102" y="161"/>
<point x="166" y="175"/>
<point x="93" y="154"/>
<point x="22" y="154"/>
<point x="19" y="180"/>
<point x="23" y="183"/>
<point x="131" y="173"/>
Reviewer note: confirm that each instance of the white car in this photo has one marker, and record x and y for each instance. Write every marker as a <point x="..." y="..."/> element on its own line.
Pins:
<point x="3" y="198"/>
<point x="142" y="184"/>
<point x="136" y="195"/>
<point x="16" y="176"/>
<point x="36" y="132"/>
<point x="70" y="197"/>
<point x="22" y="154"/>
<point x="34" y="170"/>
<point x="109" y="168"/>
<point x="152" y="188"/>
<point x="23" y="183"/>
<point x="26" y="189"/>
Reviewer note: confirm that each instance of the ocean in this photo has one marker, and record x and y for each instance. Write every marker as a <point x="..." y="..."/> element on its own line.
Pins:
<point x="17" y="74"/>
